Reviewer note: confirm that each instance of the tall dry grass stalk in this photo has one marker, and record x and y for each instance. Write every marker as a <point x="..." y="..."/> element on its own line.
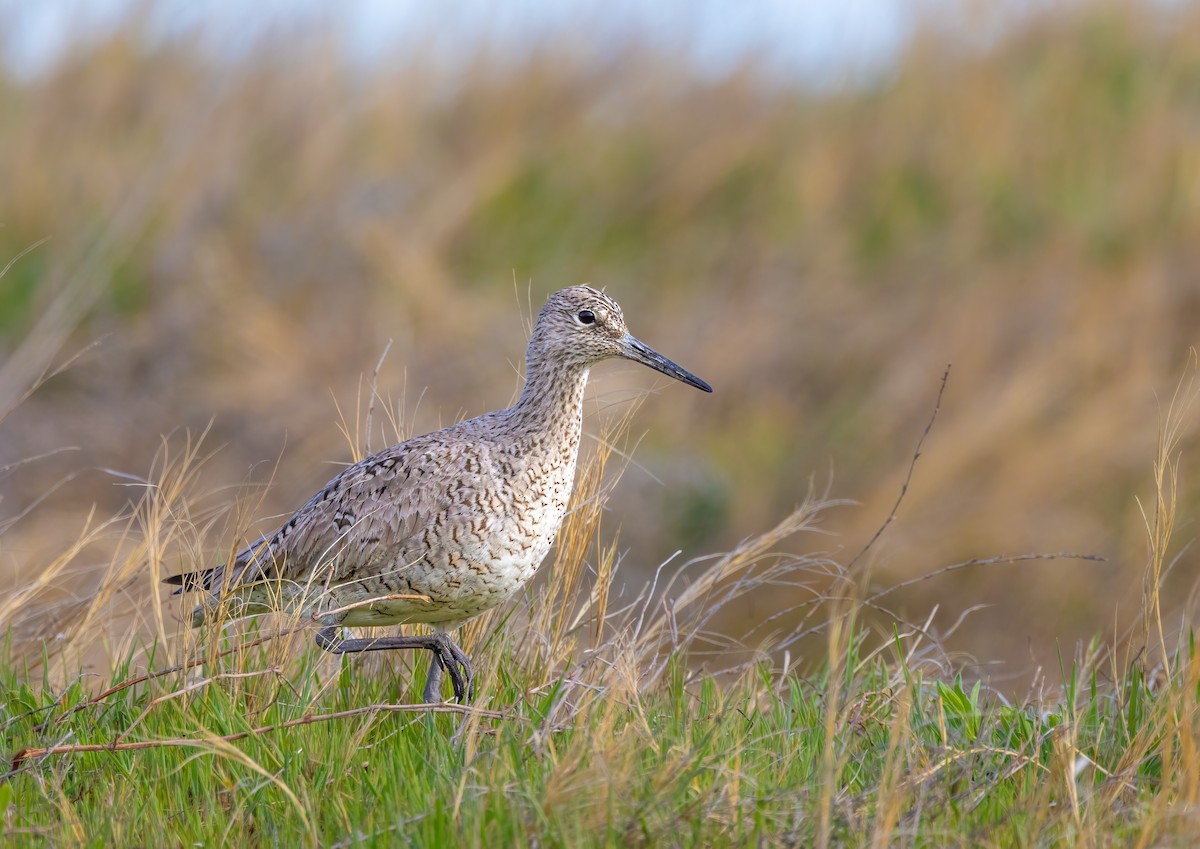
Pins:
<point x="1160" y="519"/>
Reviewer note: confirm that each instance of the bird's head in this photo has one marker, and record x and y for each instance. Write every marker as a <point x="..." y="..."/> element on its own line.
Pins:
<point x="581" y="325"/>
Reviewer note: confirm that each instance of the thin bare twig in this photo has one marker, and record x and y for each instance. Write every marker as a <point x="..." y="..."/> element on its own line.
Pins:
<point x="179" y="667"/>
<point x="891" y="516"/>
<point x="199" y="742"/>
<point x="191" y="688"/>
<point x="393" y="597"/>
<point x="987" y="561"/>
<point x="953" y="567"/>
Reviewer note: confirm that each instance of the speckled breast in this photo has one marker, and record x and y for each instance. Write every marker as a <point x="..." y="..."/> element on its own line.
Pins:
<point x="503" y="516"/>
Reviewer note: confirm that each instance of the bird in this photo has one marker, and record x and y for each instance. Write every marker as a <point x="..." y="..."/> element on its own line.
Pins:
<point x="441" y="527"/>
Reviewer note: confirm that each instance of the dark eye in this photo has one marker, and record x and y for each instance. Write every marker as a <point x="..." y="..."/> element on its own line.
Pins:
<point x="586" y="317"/>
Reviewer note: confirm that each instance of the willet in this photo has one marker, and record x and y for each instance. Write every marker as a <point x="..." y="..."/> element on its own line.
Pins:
<point x="440" y="527"/>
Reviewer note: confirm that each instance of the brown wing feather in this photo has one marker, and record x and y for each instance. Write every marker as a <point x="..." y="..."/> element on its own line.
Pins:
<point x="374" y="507"/>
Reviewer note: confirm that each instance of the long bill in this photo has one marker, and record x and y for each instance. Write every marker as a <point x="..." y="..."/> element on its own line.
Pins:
<point x="639" y="352"/>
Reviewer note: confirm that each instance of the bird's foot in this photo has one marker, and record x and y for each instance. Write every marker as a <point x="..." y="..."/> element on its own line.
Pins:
<point x="449" y="657"/>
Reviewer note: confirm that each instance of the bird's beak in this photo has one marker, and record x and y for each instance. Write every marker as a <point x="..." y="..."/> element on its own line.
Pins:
<point x="639" y="352"/>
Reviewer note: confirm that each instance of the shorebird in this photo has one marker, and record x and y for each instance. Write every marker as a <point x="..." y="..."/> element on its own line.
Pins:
<point x="442" y="527"/>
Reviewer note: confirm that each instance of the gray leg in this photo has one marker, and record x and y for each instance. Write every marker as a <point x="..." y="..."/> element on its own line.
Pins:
<point x="433" y="681"/>
<point x="446" y="656"/>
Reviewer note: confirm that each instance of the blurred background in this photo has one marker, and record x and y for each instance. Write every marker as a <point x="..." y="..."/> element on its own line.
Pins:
<point x="221" y="220"/>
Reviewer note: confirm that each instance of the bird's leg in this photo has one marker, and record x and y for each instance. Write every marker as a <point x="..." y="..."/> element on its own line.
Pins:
<point x="433" y="681"/>
<point x="446" y="656"/>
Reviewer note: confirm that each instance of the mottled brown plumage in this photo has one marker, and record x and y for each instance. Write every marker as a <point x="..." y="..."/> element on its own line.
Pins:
<point x="444" y="526"/>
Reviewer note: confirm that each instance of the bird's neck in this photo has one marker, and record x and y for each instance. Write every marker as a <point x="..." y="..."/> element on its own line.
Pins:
<point x="550" y="408"/>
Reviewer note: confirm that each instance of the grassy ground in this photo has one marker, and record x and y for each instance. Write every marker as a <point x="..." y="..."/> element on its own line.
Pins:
<point x="871" y="751"/>
<point x="608" y="720"/>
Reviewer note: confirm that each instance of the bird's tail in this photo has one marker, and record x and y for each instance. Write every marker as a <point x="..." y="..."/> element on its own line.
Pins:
<point x="241" y="600"/>
<point x="189" y="581"/>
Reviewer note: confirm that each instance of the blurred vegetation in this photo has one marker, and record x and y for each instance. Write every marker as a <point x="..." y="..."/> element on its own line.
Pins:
<point x="240" y="239"/>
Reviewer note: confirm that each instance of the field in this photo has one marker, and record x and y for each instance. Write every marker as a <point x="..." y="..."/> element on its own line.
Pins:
<point x="603" y="720"/>
<point x="917" y="573"/>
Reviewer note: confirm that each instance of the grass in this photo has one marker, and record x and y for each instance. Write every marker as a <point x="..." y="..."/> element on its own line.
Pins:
<point x="603" y="717"/>
<point x="877" y="748"/>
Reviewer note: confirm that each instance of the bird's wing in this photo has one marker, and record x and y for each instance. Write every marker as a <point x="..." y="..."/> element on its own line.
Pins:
<point x="380" y="505"/>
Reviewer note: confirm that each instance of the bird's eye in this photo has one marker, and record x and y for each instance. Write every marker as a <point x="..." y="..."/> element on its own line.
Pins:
<point x="586" y="317"/>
